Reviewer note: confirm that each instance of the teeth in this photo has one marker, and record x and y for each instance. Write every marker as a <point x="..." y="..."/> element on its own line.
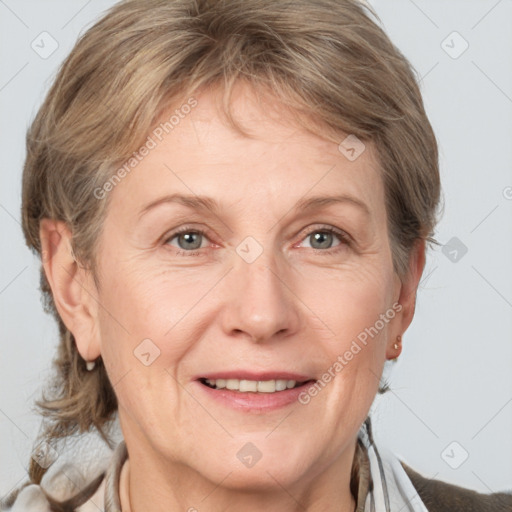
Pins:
<point x="221" y="383"/>
<point x="261" y="386"/>
<point x="247" y="385"/>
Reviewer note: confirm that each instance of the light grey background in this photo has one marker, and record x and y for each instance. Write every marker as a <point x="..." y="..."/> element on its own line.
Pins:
<point x="453" y="382"/>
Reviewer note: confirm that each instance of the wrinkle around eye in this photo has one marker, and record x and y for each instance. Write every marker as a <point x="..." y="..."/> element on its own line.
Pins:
<point x="151" y="231"/>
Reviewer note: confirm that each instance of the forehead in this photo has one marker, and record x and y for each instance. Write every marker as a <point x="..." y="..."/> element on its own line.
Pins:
<point x="194" y="150"/>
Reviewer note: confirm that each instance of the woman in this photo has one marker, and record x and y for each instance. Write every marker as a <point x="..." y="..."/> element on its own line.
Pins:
<point x="232" y="203"/>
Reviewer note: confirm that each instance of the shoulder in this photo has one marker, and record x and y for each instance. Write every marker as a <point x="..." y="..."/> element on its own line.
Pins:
<point x="61" y="493"/>
<point x="439" y="496"/>
<point x="73" y="481"/>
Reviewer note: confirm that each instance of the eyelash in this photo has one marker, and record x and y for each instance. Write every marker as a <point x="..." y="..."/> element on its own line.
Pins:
<point x="343" y="237"/>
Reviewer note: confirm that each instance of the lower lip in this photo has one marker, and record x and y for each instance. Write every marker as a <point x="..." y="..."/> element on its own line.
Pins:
<point x="247" y="401"/>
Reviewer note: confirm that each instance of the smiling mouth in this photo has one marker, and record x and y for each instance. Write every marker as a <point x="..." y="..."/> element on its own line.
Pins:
<point x="253" y="386"/>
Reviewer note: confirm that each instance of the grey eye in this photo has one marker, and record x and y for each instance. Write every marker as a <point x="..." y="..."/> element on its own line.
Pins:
<point x="322" y="238"/>
<point x="189" y="240"/>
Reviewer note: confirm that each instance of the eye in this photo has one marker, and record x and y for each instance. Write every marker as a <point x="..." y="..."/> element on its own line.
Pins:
<point x="187" y="239"/>
<point x="322" y="238"/>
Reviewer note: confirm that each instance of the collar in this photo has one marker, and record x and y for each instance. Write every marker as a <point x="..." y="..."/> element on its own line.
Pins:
<point x="112" y="500"/>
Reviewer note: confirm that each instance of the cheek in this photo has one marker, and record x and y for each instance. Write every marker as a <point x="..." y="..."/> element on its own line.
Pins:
<point x="138" y="313"/>
<point x="358" y="310"/>
<point x="144" y="304"/>
<point x="351" y="301"/>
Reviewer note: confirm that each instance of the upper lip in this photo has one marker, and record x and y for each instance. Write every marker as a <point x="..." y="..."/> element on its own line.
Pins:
<point x="253" y="375"/>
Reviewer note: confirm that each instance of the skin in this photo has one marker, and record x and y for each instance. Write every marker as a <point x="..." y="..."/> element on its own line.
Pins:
<point x="296" y="307"/>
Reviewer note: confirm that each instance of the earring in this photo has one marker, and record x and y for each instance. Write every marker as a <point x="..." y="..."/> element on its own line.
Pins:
<point x="90" y="365"/>
<point x="396" y="346"/>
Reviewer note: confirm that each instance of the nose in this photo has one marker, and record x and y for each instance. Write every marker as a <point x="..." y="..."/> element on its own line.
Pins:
<point x="261" y="305"/>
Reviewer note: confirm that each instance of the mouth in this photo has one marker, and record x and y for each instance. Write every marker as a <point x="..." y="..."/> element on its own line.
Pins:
<point x="254" y="386"/>
<point x="253" y="391"/>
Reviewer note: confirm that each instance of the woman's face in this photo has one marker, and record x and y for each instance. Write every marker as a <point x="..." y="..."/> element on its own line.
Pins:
<point x="254" y="287"/>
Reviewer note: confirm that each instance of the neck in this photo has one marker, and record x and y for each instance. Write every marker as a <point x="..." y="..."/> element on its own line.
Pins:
<point x="148" y="483"/>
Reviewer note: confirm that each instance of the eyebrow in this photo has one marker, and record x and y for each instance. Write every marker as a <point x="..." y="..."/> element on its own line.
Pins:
<point x="311" y="203"/>
<point x="203" y="203"/>
<point x="192" y="201"/>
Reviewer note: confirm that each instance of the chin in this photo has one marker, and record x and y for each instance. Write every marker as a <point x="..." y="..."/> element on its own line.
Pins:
<point x="263" y="477"/>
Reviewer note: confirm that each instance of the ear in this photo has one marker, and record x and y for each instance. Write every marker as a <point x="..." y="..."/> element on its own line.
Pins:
<point x="73" y="288"/>
<point x="408" y="287"/>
